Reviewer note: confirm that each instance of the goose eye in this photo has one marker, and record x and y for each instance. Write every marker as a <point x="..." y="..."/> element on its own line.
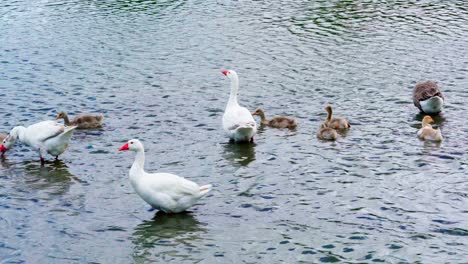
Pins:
<point x="131" y="142"/>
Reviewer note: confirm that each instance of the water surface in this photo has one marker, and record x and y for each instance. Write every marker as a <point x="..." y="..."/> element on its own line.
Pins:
<point x="377" y="194"/>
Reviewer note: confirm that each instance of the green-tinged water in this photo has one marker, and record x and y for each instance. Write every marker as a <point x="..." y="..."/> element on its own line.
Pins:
<point x="153" y="68"/>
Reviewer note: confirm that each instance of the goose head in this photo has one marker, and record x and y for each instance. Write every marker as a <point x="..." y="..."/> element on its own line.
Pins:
<point x="231" y="74"/>
<point x="10" y="140"/>
<point x="61" y="115"/>
<point x="259" y="112"/>
<point x="133" y="145"/>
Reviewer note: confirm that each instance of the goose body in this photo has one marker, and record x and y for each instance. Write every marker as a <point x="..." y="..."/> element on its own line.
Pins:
<point x="238" y="122"/>
<point x="428" y="97"/>
<point x="427" y="132"/>
<point x="82" y="121"/>
<point x="45" y="137"/>
<point x="163" y="191"/>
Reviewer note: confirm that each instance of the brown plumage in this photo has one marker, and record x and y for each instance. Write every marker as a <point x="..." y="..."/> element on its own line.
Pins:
<point x="82" y="121"/>
<point x="277" y="121"/>
<point x="425" y="90"/>
<point x="335" y="122"/>
<point x="326" y="133"/>
<point x="427" y="132"/>
<point x="2" y="137"/>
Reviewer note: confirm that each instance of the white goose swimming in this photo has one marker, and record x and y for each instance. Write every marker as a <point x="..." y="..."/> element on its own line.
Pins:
<point x="238" y="122"/>
<point x="45" y="137"/>
<point x="163" y="191"/>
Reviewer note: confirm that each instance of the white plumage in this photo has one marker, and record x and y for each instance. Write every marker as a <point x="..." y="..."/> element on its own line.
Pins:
<point x="163" y="191"/>
<point x="238" y="121"/>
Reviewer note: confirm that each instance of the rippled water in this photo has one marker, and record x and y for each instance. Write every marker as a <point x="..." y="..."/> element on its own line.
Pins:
<point x="378" y="194"/>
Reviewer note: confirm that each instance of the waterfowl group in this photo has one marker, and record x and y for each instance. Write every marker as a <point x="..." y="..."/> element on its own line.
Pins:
<point x="173" y="194"/>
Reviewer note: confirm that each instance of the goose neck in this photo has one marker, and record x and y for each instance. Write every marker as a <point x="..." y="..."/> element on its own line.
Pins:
<point x="139" y="163"/>
<point x="233" y="96"/>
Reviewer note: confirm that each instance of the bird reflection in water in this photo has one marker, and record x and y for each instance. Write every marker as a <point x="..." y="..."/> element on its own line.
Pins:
<point x="53" y="176"/>
<point x="164" y="233"/>
<point x="239" y="153"/>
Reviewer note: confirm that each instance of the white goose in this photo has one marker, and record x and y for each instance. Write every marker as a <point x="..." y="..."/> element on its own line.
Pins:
<point x="163" y="191"/>
<point x="238" y="122"/>
<point x="45" y="137"/>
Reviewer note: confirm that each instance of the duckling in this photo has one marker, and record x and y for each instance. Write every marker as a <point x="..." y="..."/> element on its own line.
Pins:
<point x="427" y="132"/>
<point x="277" y="121"/>
<point x="82" y="121"/>
<point x="326" y="133"/>
<point x="428" y="97"/>
<point x="2" y="136"/>
<point x="335" y="122"/>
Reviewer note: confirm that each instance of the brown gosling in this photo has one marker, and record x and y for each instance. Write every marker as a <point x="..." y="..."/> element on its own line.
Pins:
<point x="277" y="121"/>
<point x="427" y="132"/>
<point x="326" y="133"/>
<point x="2" y="137"/>
<point x="335" y="122"/>
<point x="82" y="121"/>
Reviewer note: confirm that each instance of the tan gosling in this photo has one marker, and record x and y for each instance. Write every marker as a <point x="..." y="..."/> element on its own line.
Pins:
<point x="82" y="121"/>
<point x="2" y="137"/>
<point x="427" y="132"/>
<point x="335" y="122"/>
<point x="277" y="121"/>
<point x="326" y="133"/>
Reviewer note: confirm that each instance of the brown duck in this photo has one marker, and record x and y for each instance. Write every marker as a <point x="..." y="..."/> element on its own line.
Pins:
<point x="428" y="97"/>
<point x="82" y="121"/>
<point x="335" y="122"/>
<point x="277" y="121"/>
<point x="326" y="133"/>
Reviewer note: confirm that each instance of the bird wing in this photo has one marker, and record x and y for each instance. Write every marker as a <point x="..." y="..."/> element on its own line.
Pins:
<point x="42" y="131"/>
<point x="238" y="116"/>
<point x="170" y="184"/>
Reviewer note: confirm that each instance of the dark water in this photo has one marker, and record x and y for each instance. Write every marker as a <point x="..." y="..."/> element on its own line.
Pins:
<point x="152" y="68"/>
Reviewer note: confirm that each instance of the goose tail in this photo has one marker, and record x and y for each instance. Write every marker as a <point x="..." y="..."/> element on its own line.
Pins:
<point x="205" y="189"/>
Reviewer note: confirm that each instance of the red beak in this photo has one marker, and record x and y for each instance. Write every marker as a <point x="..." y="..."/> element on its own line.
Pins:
<point x="124" y="147"/>
<point x="3" y="149"/>
<point x="225" y="72"/>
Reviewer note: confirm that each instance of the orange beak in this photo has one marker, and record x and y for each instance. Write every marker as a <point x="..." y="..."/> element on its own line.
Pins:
<point x="3" y="149"/>
<point x="225" y="72"/>
<point x="124" y="147"/>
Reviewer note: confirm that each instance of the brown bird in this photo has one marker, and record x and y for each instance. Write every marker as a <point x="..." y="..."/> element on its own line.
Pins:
<point x="428" y="97"/>
<point x="427" y="132"/>
<point x="277" y="121"/>
<point x="335" y="122"/>
<point x="2" y="136"/>
<point x="82" y="121"/>
<point x="326" y="133"/>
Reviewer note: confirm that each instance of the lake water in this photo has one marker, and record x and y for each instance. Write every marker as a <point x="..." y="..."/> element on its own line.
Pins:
<point x="153" y="68"/>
